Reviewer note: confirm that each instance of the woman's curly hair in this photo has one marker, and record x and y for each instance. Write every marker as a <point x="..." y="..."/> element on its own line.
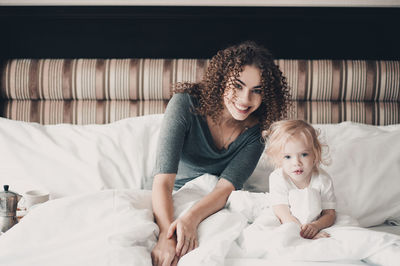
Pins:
<point x="229" y="63"/>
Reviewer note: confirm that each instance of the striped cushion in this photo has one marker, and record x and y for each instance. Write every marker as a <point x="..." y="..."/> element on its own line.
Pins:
<point x="79" y="111"/>
<point x="373" y="113"/>
<point x="100" y="112"/>
<point x="343" y="80"/>
<point x="96" y="79"/>
<point x="151" y="79"/>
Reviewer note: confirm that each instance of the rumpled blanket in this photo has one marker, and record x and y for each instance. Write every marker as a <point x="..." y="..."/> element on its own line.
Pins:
<point x="116" y="227"/>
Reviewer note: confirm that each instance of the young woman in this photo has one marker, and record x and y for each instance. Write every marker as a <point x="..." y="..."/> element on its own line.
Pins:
<point x="214" y="127"/>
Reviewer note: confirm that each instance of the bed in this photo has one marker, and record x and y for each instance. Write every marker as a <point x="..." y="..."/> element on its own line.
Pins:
<point x="81" y="121"/>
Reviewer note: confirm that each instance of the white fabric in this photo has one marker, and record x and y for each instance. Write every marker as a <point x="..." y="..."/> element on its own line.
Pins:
<point x="258" y="181"/>
<point x="265" y="240"/>
<point x="70" y="159"/>
<point x="98" y="228"/>
<point x="304" y="204"/>
<point x="365" y="170"/>
<point x="116" y="227"/>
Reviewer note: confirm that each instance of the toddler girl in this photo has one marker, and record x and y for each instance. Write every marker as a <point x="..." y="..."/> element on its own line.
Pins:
<point x="300" y="191"/>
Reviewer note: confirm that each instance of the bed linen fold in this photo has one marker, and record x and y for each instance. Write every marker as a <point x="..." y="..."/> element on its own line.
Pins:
<point x="116" y="227"/>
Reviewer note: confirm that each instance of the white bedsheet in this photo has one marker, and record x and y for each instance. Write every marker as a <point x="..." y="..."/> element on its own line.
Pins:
<point x="115" y="227"/>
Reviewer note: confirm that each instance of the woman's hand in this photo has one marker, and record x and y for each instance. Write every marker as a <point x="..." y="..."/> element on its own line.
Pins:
<point x="163" y="254"/>
<point x="186" y="234"/>
<point x="309" y="231"/>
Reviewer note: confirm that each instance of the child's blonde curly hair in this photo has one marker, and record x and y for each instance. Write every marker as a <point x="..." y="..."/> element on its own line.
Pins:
<point x="279" y="133"/>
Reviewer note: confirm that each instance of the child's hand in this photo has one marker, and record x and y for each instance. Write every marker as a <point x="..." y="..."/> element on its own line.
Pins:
<point x="321" y="234"/>
<point x="309" y="231"/>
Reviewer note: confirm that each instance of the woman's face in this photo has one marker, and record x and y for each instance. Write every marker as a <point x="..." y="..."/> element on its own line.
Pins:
<point x="243" y="94"/>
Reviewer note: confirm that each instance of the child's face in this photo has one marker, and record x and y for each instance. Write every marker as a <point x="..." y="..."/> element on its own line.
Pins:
<point x="298" y="160"/>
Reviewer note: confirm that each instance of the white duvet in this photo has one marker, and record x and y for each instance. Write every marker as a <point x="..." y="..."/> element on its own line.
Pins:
<point x="115" y="227"/>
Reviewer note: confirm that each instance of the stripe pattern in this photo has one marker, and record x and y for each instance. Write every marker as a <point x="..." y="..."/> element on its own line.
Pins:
<point x="151" y="79"/>
<point x="323" y="112"/>
<point x="87" y="91"/>
<point x="79" y="112"/>
<point x="342" y="80"/>
<point x="96" y="79"/>
<point x="102" y="112"/>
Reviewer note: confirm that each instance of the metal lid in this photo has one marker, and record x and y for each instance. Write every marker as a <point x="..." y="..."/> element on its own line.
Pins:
<point x="7" y="193"/>
<point x="8" y="202"/>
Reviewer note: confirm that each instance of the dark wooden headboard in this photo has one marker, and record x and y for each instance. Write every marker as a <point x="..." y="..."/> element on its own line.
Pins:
<point x="197" y="32"/>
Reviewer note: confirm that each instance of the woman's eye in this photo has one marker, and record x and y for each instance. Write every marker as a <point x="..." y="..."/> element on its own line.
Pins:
<point x="257" y="91"/>
<point x="287" y="157"/>
<point x="304" y="154"/>
<point x="237" y="85"/>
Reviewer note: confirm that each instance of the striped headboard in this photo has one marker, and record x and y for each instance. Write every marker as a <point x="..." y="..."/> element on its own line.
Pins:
<point x="86" y="91"/>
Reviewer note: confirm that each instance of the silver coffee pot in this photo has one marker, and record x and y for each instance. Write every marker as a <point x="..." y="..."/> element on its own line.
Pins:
<point x="8" y="208"/>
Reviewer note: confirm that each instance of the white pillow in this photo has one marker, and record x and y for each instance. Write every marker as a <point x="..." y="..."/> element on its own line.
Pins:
<point x="70" y="159"/>
<point x="259" y="179"/>
<point x="365" y="169"/>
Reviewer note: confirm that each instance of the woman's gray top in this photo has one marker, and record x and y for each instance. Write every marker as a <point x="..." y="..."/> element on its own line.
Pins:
<point x="186" y="147"/>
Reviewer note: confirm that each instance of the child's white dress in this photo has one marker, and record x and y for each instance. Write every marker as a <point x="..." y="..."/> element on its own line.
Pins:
<point x="304" y="204"/>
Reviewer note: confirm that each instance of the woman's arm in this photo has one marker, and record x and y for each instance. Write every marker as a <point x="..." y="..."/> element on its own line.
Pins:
<point x="185" y="227"/>
<point x="163" y="207"/>
<point x="284" y="215"/>
<point x="164" y="251"/>
<point x="176" y="121"/>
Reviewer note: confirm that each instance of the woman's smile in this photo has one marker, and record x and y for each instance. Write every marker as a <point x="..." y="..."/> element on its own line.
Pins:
<point x="242" y="108"/>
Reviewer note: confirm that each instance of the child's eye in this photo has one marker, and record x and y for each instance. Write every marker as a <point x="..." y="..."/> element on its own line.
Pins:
<point x="257" y="91"/>
<point x="304" y="154"/>
<point x="287" y="157"/>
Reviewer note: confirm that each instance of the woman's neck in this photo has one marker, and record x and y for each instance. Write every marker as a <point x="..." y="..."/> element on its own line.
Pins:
<point x="225" y="130"/>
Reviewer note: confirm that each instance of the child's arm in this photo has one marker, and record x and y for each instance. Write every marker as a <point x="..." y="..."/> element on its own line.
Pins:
<point x="326" y="219"/>
<point x="284" y="215"/>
